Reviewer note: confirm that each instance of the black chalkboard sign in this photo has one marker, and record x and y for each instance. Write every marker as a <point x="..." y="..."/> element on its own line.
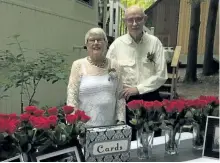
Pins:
<point x="211" y="140"/>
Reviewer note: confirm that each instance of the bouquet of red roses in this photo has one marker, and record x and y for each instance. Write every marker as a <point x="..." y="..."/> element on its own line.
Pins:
<point x="201" y="108"/>
<point x="174" y="115"/>
<point x="37" y="129"/>
<point x="146" y="115"/>
<point x="9" y="146"/>
<point x="60" y="129"/>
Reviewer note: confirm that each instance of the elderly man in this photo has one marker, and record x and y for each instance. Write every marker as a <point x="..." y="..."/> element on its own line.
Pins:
<point x="141" y="56"/>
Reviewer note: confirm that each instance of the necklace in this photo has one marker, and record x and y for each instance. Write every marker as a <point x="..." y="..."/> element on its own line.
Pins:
<point x="101" y="65"/>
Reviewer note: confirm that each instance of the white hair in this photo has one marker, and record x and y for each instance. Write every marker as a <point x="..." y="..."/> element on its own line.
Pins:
<point x="134" y="7"/>
<point x="97" y="31"/>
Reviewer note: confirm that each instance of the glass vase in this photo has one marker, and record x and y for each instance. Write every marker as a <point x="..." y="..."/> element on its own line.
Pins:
<point x="198" y="137"/>
<point x="172" y="141"/>
<point x="144" y="143"/>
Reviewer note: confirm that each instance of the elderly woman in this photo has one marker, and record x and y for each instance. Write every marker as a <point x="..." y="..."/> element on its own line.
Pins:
<point x="95" y="83"/>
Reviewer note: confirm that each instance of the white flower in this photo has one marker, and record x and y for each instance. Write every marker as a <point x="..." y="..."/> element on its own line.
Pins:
<point x="112" y="74"/>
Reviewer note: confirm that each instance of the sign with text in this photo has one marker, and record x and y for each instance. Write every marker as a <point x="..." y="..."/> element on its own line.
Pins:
<point x="110" y="147"/>
<point x="108" y="144"/>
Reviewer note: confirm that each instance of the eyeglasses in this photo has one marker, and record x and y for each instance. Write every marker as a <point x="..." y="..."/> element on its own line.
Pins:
<point x="92" y="41"/>
<point x="136" y="19"/>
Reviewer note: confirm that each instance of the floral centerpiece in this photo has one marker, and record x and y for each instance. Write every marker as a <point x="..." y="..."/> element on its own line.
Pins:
<point x="201" y="108"/>
<point x="146" y="119"/>
<point x="39" y="130"/>
<point x="174" y="117"/>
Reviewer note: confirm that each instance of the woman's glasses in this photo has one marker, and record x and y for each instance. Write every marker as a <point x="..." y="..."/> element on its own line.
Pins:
<point x="98" y="40"/>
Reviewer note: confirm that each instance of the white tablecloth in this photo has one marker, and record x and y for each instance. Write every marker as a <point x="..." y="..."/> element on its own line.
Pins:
<point x="184" y="136"/>
<point x="161" y="140"/>
<point x="203" y="159"/>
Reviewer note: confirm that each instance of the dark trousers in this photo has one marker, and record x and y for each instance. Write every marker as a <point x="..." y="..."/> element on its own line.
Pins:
<point x="152" y="96"/>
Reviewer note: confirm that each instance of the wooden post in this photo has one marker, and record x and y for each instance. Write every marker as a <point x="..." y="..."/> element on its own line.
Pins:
<point x="104" y="15"/>
<point x="111" y="11"/>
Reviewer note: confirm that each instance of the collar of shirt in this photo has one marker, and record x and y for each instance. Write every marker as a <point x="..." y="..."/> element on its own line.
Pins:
<point x="129" y="40"/>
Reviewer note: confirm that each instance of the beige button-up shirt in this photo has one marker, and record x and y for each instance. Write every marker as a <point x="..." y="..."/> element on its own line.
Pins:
<point x="138" y="71"/>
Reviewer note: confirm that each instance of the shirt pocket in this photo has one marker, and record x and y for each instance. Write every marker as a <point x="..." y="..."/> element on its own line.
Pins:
<point x="128" y="71"/>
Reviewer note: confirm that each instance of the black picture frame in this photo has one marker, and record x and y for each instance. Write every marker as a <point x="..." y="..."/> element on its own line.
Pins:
<point x="17" y="158"/>
<point x="211" y="139"/>
<point x="70" y="154"/>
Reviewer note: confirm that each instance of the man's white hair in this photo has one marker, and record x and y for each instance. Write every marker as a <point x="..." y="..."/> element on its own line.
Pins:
<point x="97" y="31"/>
<point x="134" y="7"/>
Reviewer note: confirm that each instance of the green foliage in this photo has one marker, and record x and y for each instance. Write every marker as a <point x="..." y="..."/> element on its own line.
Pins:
<point x="142" y="3"/>
<point x="146" y="119"/>
<point x="18" y="71"/>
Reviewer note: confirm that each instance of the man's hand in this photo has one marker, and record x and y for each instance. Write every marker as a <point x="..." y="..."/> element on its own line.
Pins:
<point x="127" y="92"/>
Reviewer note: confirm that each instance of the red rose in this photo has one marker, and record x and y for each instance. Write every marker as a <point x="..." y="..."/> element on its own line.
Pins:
<point x="68" y="109"/>
<point x="4" y="116"/>
<point x="25" y="117"/>
<point x="79" y="113"/>
<point x="157" y="104"/>
<point x="32" y="119"/>
<point x="199" y="104"/>
<point x="17" y="122"/>
<point x="217" y="101"/>
<point x="148" y="104"/>
<point x="11" y="128"/>
<point x="170" y="107"/>
<point x="189" y="103"/>
<point x="39" y="112"/>
<point x="180" y="106"/>
<point x="209" y="99"/>
<point x="71" y="118"/>
<point x="202" y="103"/>
<point x="85" y="118"/>
<point x="52" y="111"/>
<point x="30" y="109"/>
<point x="52" y="120"/>
<point x="135" y="104"/>
<point x="165" y="102"/>
<point x="13" y="116"/>
<point x="39" y="122"/>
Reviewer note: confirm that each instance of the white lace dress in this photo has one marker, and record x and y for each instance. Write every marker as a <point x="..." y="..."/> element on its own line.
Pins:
<point x="90" y="89"/>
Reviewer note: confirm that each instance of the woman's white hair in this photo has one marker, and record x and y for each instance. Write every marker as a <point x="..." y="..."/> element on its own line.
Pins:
<point x="97" y="31"/>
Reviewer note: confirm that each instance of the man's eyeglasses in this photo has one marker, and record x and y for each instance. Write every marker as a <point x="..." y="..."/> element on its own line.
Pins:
<point x="136" y="19"/>
<point x="92" y="41"/>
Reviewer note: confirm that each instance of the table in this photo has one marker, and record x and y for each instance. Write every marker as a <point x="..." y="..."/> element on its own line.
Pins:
<point x="186" y="152"/>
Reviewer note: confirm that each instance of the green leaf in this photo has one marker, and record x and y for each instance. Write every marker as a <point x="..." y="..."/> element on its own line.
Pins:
<point x="16" y="36"/>
<point x="11" y="43"/>
<point x="19" y="55"/>
<point x="34" y="102"/>
<point x="54" y="81"/>
<point x="189" y="114"/>
<point x="133" y="121"/>
<point x="150" y="123"/>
